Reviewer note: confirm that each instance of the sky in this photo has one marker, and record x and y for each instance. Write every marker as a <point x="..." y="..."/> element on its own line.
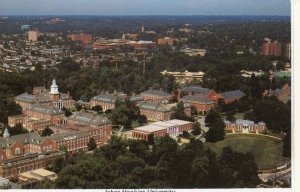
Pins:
<point x="145" y="7"/>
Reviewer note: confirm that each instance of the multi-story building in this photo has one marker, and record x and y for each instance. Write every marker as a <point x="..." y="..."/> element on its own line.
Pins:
<point x="200" y="91"/>
<point x="25" y="152"/>
<point x="37" y="117"/>
<point x="84" y="38"/>
<point x="95" y="125"/>
<point x="157" y="111"/>
<point x="283" y="94"/>
<point x="166" y="41"/>
<point x="245" y="126"/>
<point x="231" y="96"/>
<point x="287" y="50"/>
<point x="161" y="128"/>
<point x="271" y="48"/>
<point x="108" y="100"/>
<point x="46" y="98"/>
<point x="156" y="95"/>
<point x="186" y="76"/>
<point x="202" y="104"/>
<point x="32" y="35"/>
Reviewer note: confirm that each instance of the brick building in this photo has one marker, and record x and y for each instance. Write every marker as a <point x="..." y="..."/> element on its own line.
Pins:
<point x="156" y="111"/>
<point x="45" y="97"/>
<point x="231" y="96"/>
<point x="283" y="94"/>
<point x="32" y="35"/>
<point x="156" y="95"/>
<point x="245" y="126"/>
<point x="200" y="91"/>
<point x="84" y="38"/>
<point x="25" y="152"/>
<point x="108" y="100"/>
<point x="166" y="41"/>
<point x="96" y="125"/>
<point x="37" y="117"/>
<point x="201" y="103"/>
<point x="271" y="48"/>
<point x="161" y="128"/>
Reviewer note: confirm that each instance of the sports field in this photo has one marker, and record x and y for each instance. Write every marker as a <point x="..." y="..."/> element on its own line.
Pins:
<point x="267" y="151"/>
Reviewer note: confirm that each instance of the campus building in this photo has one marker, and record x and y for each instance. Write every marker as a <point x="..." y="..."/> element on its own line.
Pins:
<point x="25" y="152"/>
<point x="283" y="94"/>
<point x="156" y="95"/>
<point x="108" y="100"/>
<point x="161" y="128"/>
<point x="157" y="111"/>
<point x="44" y="97"/>
<point x="245" y="126"/>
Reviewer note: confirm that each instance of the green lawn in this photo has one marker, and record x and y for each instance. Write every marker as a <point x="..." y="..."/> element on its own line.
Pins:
<point x="267" y="151"/>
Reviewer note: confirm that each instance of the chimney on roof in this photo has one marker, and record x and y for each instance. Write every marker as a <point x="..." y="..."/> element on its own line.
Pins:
<point x="133" y="94"/>
<point x="106" y="92"/>
<point x="190" y="93"/>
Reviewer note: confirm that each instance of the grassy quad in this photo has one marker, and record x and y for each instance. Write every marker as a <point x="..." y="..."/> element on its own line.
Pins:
<point x="267" y="151"/>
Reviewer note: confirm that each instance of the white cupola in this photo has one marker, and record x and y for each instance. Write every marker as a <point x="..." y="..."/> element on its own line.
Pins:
<point x="6" y="133"/>
<point x="54" y="88"/>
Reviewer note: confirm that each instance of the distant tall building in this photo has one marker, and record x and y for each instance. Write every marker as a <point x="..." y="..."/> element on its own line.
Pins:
<point x="287" y="50"/>
<point x="143" y="29"/>
<point x="84" y="38"/>
<point x="33" y="35"/>
<point x="271" y="49"/>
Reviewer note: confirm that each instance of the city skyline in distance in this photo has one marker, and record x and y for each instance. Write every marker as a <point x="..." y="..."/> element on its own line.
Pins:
<point x="145" y="7"/>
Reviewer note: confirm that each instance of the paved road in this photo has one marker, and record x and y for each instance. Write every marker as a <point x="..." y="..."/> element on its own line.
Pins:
<point x="284" y="175"/>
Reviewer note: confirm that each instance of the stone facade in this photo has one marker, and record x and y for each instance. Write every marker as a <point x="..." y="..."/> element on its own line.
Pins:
<point x="245" y="126"/>
<point x="161" y="128"/>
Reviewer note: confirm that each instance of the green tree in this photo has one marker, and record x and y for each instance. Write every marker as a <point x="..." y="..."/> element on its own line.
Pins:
<point x="97" y="108"/>
<point x="91" y="144"/>
<point x="8" y="108"/>
<point x="179" y="113"/>
<point x="216" y="132"/>
<point x="216" y="126"/>
<point x="196" y="129"/>
<point x="47" y="132"/>
<point x="67" y="112"/>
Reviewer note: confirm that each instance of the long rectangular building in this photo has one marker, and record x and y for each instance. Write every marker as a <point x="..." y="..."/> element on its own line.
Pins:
<point x="161" y="128"/>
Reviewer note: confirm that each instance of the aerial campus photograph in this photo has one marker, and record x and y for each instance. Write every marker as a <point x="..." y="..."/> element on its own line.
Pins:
<point x="145" y="94"/>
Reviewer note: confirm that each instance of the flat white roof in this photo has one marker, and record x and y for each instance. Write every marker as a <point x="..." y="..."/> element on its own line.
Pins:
<point x="150" y="128"/>
<point x="164" y="123"/>
<point x="179" y="122"/>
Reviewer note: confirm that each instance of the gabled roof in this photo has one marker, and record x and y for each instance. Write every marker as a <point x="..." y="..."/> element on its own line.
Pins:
<point x="110" y="98"/>
<point x="196" y="89"/>
<point x="45" y="109"/>
<point x="199" y="99"/>
<point x="156" y="106"/>
<point x="68" y="136"/>
<point x="232" y="94"/>
<point x="156" y="92"/>
<point x="89" y="118"/>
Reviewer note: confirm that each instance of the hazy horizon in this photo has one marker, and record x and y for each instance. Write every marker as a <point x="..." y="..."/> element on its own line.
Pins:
<point x="145" y="8"/>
